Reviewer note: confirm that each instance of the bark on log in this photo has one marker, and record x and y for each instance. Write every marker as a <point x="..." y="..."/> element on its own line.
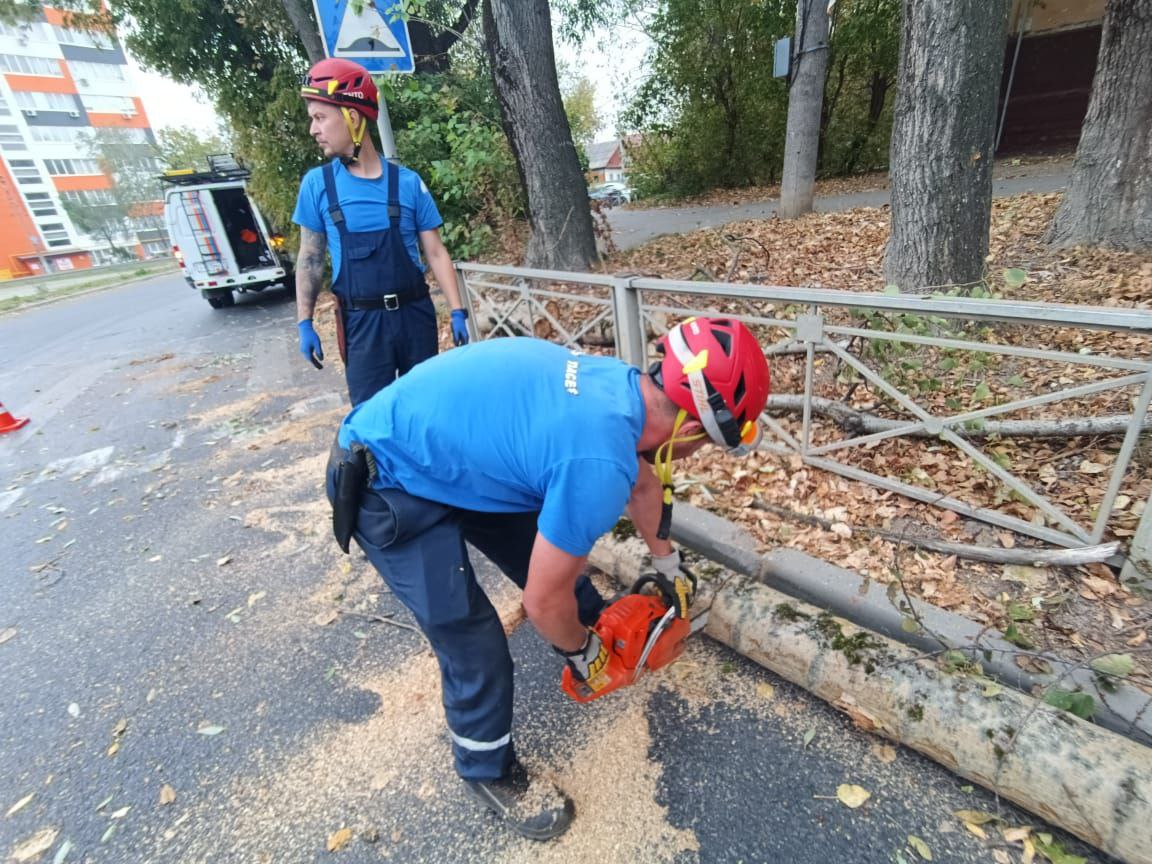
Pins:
<point x="944" y="126"/>
<point x="862" y="423"/>
<point x="1109" y="197"/>
<point x="1077" y="776"/>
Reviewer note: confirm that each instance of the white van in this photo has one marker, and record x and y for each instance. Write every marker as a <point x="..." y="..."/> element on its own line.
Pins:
<point x="218" y="234"/>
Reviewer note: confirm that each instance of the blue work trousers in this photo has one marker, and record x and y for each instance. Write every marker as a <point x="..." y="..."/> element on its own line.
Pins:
<point x="431" y="575"/>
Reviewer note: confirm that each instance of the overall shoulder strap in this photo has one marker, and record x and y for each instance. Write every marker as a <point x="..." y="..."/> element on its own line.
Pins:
<point x="393" y="195"/>
<point x="333" y="198"/>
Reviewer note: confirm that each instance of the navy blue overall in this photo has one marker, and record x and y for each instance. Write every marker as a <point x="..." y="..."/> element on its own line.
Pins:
<point x="418" y="547"/>
<point x="389" y="322"/>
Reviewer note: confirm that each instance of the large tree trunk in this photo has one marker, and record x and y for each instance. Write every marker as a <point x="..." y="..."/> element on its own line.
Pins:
<point x="951" y="54"/>
<point x="1109" y="199"/>
<point x="300" y="14"/>
<point x="518" y="34"/>
<point x="805" y="97"/>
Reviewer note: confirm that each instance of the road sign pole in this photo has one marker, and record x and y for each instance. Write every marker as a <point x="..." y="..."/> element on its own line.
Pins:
<point x="384" y="124"/>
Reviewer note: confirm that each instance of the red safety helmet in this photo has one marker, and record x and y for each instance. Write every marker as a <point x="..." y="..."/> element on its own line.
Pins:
<point x="343" y="83"/>
<point x="715" y="370"/>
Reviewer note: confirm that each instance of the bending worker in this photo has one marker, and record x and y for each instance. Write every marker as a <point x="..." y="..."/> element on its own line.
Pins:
<point x="371" y="214"/>
<point x="529" y="452"/>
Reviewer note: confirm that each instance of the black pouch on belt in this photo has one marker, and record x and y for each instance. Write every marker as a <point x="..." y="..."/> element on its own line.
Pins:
<point x="351" y="481"/>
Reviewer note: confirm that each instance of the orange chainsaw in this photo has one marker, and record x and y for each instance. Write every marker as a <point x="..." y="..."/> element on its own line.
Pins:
<point x="643" y="631"/>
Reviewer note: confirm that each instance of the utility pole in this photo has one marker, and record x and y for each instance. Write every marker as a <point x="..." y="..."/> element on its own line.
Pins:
<point x="805" y="99"/>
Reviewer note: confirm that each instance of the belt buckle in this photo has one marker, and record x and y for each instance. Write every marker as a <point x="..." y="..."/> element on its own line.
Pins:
<point x="391" y="302"/>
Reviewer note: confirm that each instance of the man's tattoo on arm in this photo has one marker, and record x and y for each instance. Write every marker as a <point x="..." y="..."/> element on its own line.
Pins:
<point x="309" y="270"/>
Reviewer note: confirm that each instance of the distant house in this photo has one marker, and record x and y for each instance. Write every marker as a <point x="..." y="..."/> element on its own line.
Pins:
<point x="606" y="162"/>
<point x="1049" y="63"/>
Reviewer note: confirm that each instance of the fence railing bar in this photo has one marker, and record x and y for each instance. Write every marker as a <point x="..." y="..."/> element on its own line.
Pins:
<point x="992" y="517"/>
<point x="530" y="273"/>
<point x="1120" y="468"/>
<point x="880" y="383"/>
<point x="780" y="432"/>
<point x="1019" y="487"/>
<point x="863" y="440"/>
<point x="1033" y="313"/>
<point x="1047" y="398"/>
<point x="993" y="348"/>
<point x="806" y="421"/>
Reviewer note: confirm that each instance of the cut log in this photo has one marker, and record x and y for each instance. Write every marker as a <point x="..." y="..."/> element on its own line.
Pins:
<point x="1084" y="779"/>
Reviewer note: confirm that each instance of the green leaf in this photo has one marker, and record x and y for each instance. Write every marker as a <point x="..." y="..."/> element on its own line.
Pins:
<point x="909" y="625"/>
<point x="1016" y="381"/>
<point x="920" y="846"/>
<point x="892" y="290"/>
<point x="808" y="736"/>
<point x="1055" y="853"/>
<point x="1115" y="665"/>
<point x="62" y="852"/>
<point x="1013" y="635"/>
<point x="1015" y="277"/>
<point x="981" y="393"/>
<point x="1022" y="612"/>
<point x="1080" y="704"/>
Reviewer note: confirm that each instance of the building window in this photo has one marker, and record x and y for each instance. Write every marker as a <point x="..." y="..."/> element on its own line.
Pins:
<point x="29" y="100"/>
<point x="84" y="38"/>
<point x="55" y="234"/>
<point x="108" y="104"/>
<point x="41" y="204"/>
<point x="25" y="171"/>
<point x="30" y="31"/>
<point x="58" y="167"/>
<point x="92" y="197"/>
<point x="85" y="72"/>
<point x="5" y="111"/>
<point x="11" y="139"/>
<point x="21" y="65"/>
<point x="55" y="134"/>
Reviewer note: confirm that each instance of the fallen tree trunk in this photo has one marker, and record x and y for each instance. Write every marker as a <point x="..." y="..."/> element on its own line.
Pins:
<point x="862" y="423"/>
<point x="1084" y="779"/>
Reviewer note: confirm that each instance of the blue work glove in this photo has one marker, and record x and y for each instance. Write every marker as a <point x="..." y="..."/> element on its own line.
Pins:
<point x="310" y="343"/>
<point x="460" y="327"/>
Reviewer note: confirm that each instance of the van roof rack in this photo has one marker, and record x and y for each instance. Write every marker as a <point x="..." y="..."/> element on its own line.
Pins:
<point x="222" y="167"/>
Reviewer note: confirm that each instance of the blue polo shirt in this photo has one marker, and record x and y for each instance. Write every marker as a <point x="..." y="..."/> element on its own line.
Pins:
<point x="510" y="426"/>
<point x="365" y="206"/>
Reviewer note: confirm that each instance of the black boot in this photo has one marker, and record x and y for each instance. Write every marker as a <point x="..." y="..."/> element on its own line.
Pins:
<point x="532" y="806"/>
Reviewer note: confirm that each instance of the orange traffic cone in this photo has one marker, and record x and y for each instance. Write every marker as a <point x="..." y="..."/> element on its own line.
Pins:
<point x="8" y="423"/>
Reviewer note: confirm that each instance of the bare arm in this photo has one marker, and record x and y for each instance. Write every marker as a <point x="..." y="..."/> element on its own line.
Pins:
<point x="309" y="271"/>
<point x="644" y="509"/>
<point x="549" y="595"/>
<point x="440" y="263"/>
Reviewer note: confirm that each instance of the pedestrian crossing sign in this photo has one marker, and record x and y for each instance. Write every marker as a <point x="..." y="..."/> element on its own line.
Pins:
<point x="373" y="33"/>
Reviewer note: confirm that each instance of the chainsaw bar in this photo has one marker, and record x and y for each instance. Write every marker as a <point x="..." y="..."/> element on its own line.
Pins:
<point x="698" y="623"/>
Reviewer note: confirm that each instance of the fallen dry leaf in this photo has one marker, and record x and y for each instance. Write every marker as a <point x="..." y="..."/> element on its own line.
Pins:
<point x="167" y="794"/>
<point x="886" y="753"/>
<point x="976" y="817"/>
<point x="7" y="633"/>
<point x="220" y="562"/>
<point x="765" y="690"/>
<point x="325" y="618"/>
<point x="1017" y="834"/>
<point x="21" y="804"/>
<point x="339" y="839"/>
<point x="851" y="795"/>
<point x="920" y="846"/>
<point x="35" y="846"/>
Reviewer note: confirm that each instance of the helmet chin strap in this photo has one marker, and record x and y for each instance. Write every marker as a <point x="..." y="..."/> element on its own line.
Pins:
<point x="664" y="471"/>
<point x="357" y="131"/>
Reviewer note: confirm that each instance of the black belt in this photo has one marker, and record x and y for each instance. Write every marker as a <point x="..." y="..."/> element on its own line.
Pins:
<point x="391" y="302"/>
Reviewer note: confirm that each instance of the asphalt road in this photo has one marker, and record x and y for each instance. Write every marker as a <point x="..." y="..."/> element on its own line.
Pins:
<point x="192" y="671"/>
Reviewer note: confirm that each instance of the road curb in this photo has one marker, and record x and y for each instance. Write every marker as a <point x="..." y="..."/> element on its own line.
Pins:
<point x="1076" y="775"/>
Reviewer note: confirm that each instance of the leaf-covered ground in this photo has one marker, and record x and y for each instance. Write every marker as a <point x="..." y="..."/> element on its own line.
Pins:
<point x="1078" y="612"/>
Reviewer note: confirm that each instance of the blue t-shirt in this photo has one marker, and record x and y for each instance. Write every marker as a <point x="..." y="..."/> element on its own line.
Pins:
<point x="511" y="426"/>
<point x="365" y="206"/>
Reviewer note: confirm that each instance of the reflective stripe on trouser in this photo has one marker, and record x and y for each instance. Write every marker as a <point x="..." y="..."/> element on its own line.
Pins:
<point x="432" y="576"/>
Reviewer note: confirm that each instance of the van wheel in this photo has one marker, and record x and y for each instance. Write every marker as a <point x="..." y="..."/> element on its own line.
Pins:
<point x="221" y="300"/>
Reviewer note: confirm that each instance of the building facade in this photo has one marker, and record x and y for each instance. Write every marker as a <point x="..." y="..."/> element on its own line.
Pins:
<point x="59" y="86"/>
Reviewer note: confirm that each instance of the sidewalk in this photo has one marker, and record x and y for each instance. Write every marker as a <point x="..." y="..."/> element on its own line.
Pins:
<point x="33" y="290"/>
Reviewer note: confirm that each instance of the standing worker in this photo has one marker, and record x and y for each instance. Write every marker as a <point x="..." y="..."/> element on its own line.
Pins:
<point x="529" y="452"/>
<point x="372" y="214"/>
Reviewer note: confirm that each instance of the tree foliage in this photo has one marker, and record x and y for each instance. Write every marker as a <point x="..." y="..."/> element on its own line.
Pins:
<point x="579" y="96"/>
<point x="713" y="115"/>
<point x="184" y="147"/>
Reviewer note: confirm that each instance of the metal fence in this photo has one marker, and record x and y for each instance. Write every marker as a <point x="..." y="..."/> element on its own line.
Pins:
<point x="914" y="362"/>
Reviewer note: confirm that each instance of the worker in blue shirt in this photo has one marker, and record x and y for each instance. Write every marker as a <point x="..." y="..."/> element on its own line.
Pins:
<point x="370" y="215"/>
<point x="529" y="452"/>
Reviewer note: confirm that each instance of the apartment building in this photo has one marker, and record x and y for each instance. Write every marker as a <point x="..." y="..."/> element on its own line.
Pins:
<point x="57" y="85"/>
